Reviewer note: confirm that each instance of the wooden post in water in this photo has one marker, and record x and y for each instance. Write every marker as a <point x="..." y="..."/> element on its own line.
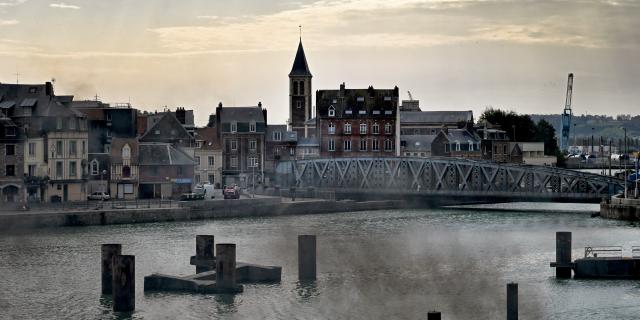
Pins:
<point x="226" y="266"/>
<point x="307" y="257"/>
<point x="124" y="283"/>
<point x="512" y="301"/>
<point x="205" y="249"/>
<point x="108" y="252"/>
<point x="433" y="315"/>
<point x="563" y="254"/>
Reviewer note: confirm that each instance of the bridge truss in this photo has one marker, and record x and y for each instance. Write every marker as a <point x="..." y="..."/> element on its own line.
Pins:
<point x="443" y="174"/>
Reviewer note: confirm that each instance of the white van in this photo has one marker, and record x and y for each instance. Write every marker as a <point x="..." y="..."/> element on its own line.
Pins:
<point x="207" y="190"/>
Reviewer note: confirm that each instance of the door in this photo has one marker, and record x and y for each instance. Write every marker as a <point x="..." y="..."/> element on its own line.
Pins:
<point x="65" y="193"/>
<point x="120" y="191"/>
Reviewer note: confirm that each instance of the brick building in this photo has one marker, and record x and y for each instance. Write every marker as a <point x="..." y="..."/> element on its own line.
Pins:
<point x="357" y="122"/>
<point x="12" y="155"/>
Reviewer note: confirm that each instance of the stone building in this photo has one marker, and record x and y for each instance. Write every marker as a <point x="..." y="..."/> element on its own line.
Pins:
<point x="280" y="146"/>
<point x="12" y="188"/>
<point x="300" y="96"/>
<point x="495" y="146"/>
<point x="124" y="172"/>
<point x="242" y="137"/>
<point x="357" y="122"/>
<point x="208" y="156"/>
<point x="165" y="171"/>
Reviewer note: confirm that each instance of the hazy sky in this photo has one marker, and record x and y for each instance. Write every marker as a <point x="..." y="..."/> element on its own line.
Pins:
<point x="450" y="54"/>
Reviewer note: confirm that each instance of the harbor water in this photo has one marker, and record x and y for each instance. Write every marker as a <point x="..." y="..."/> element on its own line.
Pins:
<point x="394" y="264"/>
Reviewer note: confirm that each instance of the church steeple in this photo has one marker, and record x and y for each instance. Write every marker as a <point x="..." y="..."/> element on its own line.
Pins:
<point x="300" y="66"/>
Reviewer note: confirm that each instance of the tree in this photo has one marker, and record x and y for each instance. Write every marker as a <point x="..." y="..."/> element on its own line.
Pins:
<point x="521" y="126"/>
<point x="547" y="134"/>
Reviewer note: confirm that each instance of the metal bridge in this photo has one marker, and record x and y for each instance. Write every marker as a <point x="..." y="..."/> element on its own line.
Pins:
<point x="451" y="177"/>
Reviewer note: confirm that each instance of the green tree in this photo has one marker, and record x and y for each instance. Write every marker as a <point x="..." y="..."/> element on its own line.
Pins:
<point x="518" y="127"/>
<point x="547" y="134"/>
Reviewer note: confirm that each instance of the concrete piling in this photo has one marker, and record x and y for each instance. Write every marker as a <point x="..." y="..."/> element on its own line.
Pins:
<point x="563" y="254"/>
<point x="512" y="301"/>
<point x="124" y="283"/>
<point x="226" y="266"/>
<point x="433" y="315"/>
<point x="108" y="252"/>
<point x="205" y="249"/>
<point x="307" y="257"/>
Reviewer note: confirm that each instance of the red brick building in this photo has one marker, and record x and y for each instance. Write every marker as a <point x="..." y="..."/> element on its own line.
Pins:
<point x="357" y="122"/>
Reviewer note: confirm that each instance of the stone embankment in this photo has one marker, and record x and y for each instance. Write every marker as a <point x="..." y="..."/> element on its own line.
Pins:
<point x="187" y="211"/>
<point x="620" y="209"/>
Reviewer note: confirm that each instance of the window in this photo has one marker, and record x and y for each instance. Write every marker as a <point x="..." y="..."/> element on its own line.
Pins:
<point x="375" y="128"/>
<point x="504" y="148"/>
<point x="295" y="87"/>
<point x="253" y="162"/>
<point x="332" y="145"/>
<point x="10" y="170"/>
<point x="32" y="149"/>
<point x="234" y="161"/>
<point x="10" y="150"/>
<point x="197" y="178"/>
<point x="332" y="111"/>
<point x="72" y="124"/>
<point x="84" y="147"/>
<point x="387" y="98"/>
<point x="302" y="87"/>
<point x="59" y="148"/>
<point x="363" y="128"/>
<point x="471" y="148"/>
<point x="347" y="145"/>
<point x="292" y="152"/>
<point x="277" y="136"/>
<point x="360" y="99"/>
<point x="252" y="126"/>
<point x="234" y="144"/>
<point x="179" y="171"/>
<point x="59" y="169"/>
<point x="348" y="111"/>
<point x="447" y="147"/>
<point x="211" y="159"/>
<point x="234" y="126"/>
<point x="347" y="128"/>
<point x="375" y="145"/>
<point x="72" y="169"/>
<point x="332" y="128"/>
<point x="457" y="145"/>
<point x="10" y="131"/>
<point x="157" y="132"/>
<point x="253" y="145"/>
<point x="73" y="149"/>
<point x="387" y="128"/>
<point x="212" y="178"/>
<point x="154" y="171"/>
<point x="31" y="170"/>
<point x="388" y="112"/>
<point x="363" y="144"/>
<point x="362" y="112"/>
<point x="95" y="167"/>
<point x="197" y="160"/>
<point x="126" y="171"/>
<point x="376" y="112"/>
<point x="59" y="123"/>
<point x="126" y="152"/>
<point x="299" y="104"/>
<point x="388" y="145"/>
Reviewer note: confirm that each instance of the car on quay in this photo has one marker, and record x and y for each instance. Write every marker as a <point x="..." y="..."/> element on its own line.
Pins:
<point x="99" y="195"/>
<point x="231" y="192"/>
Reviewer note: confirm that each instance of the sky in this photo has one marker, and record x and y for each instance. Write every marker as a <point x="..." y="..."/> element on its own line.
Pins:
<point x="451" y="54"/>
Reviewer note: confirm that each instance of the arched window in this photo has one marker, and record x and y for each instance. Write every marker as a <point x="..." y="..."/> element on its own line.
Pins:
<point x="95" y="167"/>
<point x="126" y="152"/>
<point x="295" y="87"/>
<point x="332" y="111"/>
<point x="302" y="87"/>
<point x="457" y="145"/>
<point x="126" y="172"/>
<point x="332" y="128"/>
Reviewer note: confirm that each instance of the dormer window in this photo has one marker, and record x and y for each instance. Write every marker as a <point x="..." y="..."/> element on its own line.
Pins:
<point x="126" y="152"/>
<point x="348" y="111"/>
<point x="277" y="136"/>
<point x="388" y="112"/>
<point x="234" y="127"/>
<point x="387" y="98"/>
<point x="252" y="126"/>
<point x="362" y="112"/>
<point x="33" y="89"/>
<point x="332" y="111"/>
<point x="360" y="99"/>
<point x="376" y="111"/>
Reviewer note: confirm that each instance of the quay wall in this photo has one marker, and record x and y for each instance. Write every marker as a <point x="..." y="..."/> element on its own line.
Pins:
<point x="620" y="209"/>
<point x="220" y="209"/>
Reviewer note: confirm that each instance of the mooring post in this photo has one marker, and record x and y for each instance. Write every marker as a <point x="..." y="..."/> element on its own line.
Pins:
<point x="512" y="301"/>
<point x="563" y="254"/>
<point x="205" y="250"/>
<point x="124" y="283"/>
<point x="433" y="315"/>
<point x="108" y="252"/>
<point x="226" y="265"/>
<point x="307" y="257"/>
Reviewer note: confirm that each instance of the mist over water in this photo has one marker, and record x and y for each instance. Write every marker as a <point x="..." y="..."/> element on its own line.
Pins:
<point x="396" y="264"/>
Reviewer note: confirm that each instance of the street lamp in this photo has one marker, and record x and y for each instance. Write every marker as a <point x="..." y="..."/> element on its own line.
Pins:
<point x="625" y="163"/>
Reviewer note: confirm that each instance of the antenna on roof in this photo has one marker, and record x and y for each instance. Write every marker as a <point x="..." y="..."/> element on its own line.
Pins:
<point x="17" y="78"/>
<point x="96" y="97"/>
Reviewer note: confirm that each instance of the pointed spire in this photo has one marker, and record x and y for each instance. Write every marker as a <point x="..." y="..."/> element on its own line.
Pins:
<point x="300" y="66"/>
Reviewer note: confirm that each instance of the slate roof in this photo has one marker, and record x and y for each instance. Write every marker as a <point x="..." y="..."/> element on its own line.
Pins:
<point x="435" y="117"/>
<point x="300" y="66"/>
<point x="374" y="102"/>
<point x="287" y="136"/>
<point x="34" y="96"/>
<point x="241" y="114"/>
<point x="116" y="149"/>
<point x="169" y="128"/>
<point x="418" y="143"/>
<point x="308" y="142"/>
<point x="209" y="138"/>
<point x="163" y="154"/>
<point x="461" y="135"/>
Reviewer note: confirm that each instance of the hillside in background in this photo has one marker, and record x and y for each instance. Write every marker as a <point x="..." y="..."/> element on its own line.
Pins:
<point x="597" y="125"/>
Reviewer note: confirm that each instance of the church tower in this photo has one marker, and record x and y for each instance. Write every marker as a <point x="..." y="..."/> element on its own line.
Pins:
<point x="300" y="95"/>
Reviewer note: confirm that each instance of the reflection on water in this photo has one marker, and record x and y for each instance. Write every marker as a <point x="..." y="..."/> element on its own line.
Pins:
<point x="395" y="264"/>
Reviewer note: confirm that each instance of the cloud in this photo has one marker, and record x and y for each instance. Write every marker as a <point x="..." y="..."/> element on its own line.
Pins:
<point x="8" y="22"/>
<point x="63" y="5"/>
<point x="12" y="3"/>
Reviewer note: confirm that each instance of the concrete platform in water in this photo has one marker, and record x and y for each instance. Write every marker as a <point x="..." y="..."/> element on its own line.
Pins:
<point x="605" y="263"/>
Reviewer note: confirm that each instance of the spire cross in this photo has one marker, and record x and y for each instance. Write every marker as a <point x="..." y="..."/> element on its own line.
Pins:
<point x="300" y="27"/>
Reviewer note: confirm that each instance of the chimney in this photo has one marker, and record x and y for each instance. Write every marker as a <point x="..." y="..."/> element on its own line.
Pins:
<point x="260" y="105"/>
<point x="264" y="113"/>
<point x="48" y="88"/>
<point x="181" y="115"/>
<point x="342" y="87"/>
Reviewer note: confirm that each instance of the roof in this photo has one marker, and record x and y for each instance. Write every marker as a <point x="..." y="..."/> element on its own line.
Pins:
<point x="116" y="148"/>
<point x="357" y="103"/>
<point x="461" y="135"/>
<point x="241" y="114"/>
<point x="168" y="127"/>
<point x="418" y="142"/>
<point x="209" y="138"/>
<point x="435" y="117"/>
<point x="39" y="97"/>
<point x="300" y="66"/>
<point x="163" y="154"/>
<point x="286" y="136"/>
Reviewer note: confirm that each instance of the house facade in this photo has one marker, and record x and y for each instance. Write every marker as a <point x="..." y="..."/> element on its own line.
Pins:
<point x="208" y="157"/>
<point x="12" y="188"/>
<point x="280" y="146"/>
<point x="357" y="122"/>
<point x="166" y="171"/>
<point x="125" y="170"/>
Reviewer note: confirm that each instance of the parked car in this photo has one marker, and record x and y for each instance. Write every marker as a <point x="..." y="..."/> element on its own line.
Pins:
<point x="99" y="196"/>
<point x="231" y="192"/>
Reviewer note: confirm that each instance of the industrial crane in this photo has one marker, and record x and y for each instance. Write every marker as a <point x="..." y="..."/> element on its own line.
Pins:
<point x="567" y="114"/>
<point x="410" y="96"/>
